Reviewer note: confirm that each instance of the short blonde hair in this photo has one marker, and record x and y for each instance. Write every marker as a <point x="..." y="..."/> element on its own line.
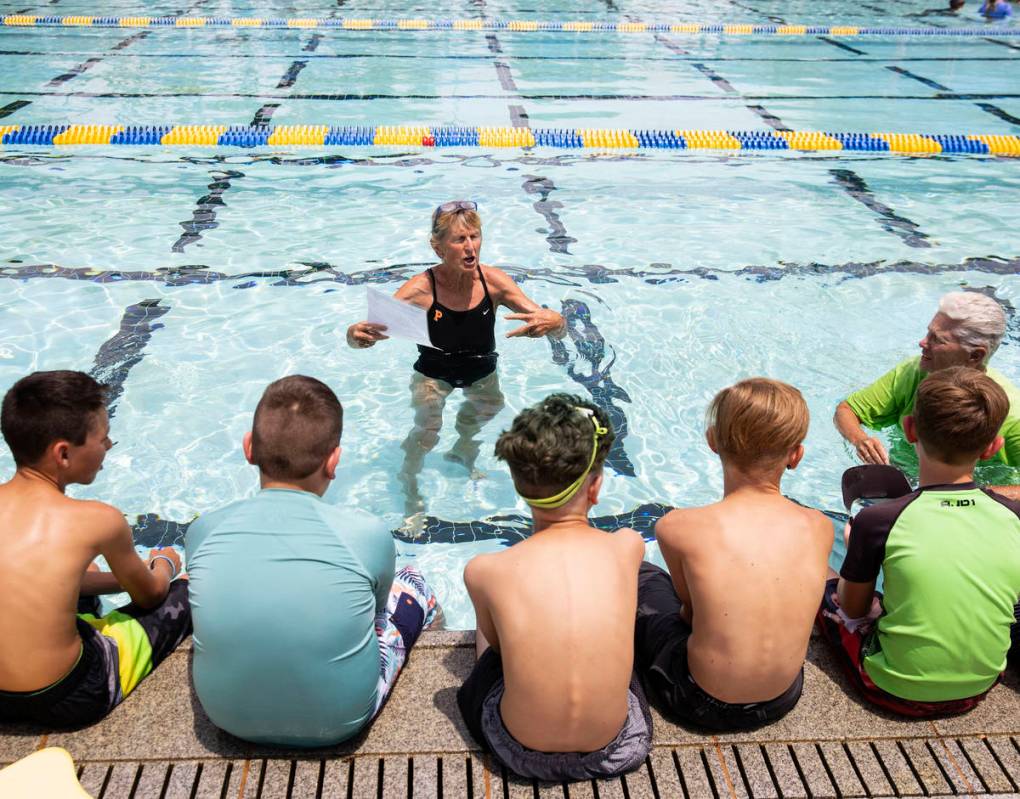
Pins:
<point x="957" y="413"/>
<point x="757" y="422"/>
<point x="443" y="222"/>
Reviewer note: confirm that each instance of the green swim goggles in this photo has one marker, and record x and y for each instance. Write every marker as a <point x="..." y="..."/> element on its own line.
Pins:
<point x="567" y="494"/>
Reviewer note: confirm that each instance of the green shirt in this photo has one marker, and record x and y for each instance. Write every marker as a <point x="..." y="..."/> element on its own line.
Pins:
<point x="284" y="592"/>
<point x="951" y="559"/>
<point x="886" y="401"/>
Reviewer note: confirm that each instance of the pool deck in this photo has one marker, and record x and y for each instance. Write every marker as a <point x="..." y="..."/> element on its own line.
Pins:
<point x="157" y="744"/>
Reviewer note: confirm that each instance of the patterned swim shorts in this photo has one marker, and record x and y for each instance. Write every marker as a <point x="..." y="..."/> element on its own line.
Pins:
<point x="411" y="608"/>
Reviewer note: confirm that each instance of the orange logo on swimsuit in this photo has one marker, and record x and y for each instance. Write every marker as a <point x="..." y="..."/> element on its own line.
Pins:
<point x="437" y="316"/>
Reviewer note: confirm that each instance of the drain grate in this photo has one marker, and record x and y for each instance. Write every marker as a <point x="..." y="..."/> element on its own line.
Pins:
<point x="905" y="767"/>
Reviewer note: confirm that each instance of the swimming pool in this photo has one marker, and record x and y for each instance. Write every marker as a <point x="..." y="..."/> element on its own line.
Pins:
<point x="191" y="277"/>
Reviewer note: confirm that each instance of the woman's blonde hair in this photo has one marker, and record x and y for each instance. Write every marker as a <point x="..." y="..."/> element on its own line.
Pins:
<point x="757" y="422"/>
<point x="442" y="222"/>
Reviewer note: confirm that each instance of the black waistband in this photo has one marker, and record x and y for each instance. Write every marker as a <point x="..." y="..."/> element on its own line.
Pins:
<point x="62" y="687"/>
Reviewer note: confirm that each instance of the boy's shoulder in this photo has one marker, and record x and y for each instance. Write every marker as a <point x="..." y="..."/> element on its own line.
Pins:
<point x="679" y="522"/>
<point x="91" y="515"/>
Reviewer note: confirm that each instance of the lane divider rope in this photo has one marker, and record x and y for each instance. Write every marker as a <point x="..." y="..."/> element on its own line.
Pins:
<point x="563" y="138"/>
<point x="732" y="29"/>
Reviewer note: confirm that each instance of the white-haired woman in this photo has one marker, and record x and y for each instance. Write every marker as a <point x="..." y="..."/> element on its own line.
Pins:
<point x="460" y="296"/>
<point x="965" y="331"/>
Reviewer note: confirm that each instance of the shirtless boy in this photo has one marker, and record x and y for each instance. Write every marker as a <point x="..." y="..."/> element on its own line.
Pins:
<point x="57" y="668"/>
<point x="722" y="645"/>
<point x="553" y="694"/>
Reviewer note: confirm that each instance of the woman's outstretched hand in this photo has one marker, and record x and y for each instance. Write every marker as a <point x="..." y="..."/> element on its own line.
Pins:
<point x="538" y="323"/>
<point x="365" y="334"/>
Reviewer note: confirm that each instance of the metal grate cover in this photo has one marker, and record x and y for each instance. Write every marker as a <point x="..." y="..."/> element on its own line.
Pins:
<point x="901" y="767"/>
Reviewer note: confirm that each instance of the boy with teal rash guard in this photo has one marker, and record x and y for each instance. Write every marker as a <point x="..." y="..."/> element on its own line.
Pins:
<point x="965" y="331"/>
<point x="950" y="553"/>
<point x="301" y="626"/>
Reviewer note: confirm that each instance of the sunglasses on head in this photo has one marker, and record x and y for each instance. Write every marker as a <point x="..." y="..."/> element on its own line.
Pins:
<point x="455" y="205"/>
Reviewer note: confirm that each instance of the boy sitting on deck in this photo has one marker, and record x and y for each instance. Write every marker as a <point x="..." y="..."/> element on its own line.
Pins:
<point x="721" y="645"/>
<point x="553" y="695"/>
<point x="59" y="669"/>
<point x="950" y="552"/>
<point x="301" y="627"/>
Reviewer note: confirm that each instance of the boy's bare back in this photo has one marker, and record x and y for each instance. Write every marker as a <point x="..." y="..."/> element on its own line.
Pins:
<point x="752" y="569"/>
<point x="559" y="608"/>
<point x="48" y="542"/>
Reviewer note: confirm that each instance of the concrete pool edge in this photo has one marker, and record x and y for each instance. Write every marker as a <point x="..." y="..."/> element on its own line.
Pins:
<point x="830" y="744"/>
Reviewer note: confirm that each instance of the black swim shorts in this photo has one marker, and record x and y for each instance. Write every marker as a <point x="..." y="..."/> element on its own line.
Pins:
<point x="660" y="652"/>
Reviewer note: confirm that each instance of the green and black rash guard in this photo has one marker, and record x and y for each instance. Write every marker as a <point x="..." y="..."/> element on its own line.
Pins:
<point x="951" y="557"/>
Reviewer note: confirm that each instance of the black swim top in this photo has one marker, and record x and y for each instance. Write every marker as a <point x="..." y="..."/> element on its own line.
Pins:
<point x="464" y="342"/>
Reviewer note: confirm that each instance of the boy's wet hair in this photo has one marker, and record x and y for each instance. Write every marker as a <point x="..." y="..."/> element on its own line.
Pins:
<point x="45" y="407"/>
<point x="549" y="444"/>
<point x="957" y="413"/>
<point x="757" y="422"/>
<point x="297" y="425"/>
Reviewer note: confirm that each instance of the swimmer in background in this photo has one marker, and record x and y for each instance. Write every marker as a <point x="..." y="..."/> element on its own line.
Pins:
<point x="460" y="295"/>
<point x="996" y="9"/>
<point x="955" y="6"/>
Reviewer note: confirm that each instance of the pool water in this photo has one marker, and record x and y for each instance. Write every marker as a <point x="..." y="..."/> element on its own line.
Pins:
<point x="190" y="278"/>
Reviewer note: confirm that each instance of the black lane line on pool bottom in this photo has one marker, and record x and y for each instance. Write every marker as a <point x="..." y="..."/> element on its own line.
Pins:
<point x="506" y="80"/>
<point x="313" y="43"/>
<point x="519" y="117"/>
<point x="767" y="116"/>
<point x="555" y="233"/>
<point x="988" y="108"/>
<point x="1010" y="45"/>
<point x="130" y="40"/>
<point x="855" y="186"/>
<point x="150" y="531"/>
<point x="204" y="216"/>
<point x="661" y="98"/>
<point x="590" y="348"/>
<point x="914" y="76"/>
<point x="291" y="75"/>
<point x="325" y="274"/>
<point x="682" y="54"/>
<point x="74" y="72"/>
<point x="994" y="110"/>
<point x="841" y="45"/>
<point x="10" y="108"/>
<point x="264" y="115"/>
<point x="671" y="45"/>
<point x="125" y="349"/>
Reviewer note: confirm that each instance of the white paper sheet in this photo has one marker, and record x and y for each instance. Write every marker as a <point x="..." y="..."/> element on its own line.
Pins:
<point x="402" y="319"/>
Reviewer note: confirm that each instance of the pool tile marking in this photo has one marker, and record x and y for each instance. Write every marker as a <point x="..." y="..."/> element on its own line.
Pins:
<point x="913" y="76"/>
<point x="591" y="347"/>
<point x="263" y="115"/>
<point x="10" y="108"/>
<point x="291" y="75"/>
<point x="312" y="273"/>
<point x="125" y="349"/>
<point x="555" y="232"/>
<point x="856" y="187"/>
<point x="74" y="72"/>
<point x="130" y="40"/>
<point x="204" y="216"/>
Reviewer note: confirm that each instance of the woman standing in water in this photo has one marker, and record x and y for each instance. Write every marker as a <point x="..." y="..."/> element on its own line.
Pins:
<point x="460" y="296"/>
